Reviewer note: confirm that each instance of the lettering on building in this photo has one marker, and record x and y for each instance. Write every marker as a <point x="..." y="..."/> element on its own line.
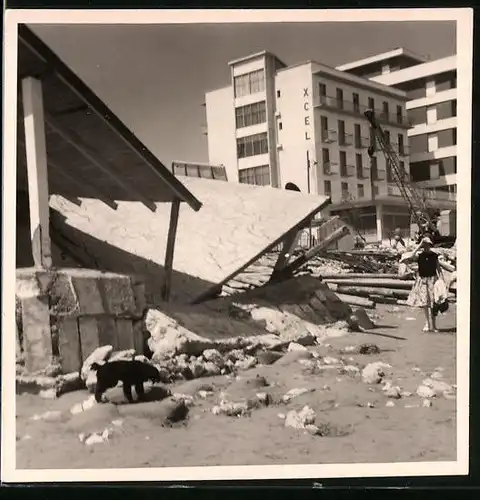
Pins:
<point x="306" y="108"/>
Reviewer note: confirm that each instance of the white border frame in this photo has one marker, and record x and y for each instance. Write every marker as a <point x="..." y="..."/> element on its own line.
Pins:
<point x="464" y="19"/>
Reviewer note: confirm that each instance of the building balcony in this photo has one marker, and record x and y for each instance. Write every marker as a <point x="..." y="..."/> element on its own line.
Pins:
<point x="328" y="136"/>
<point x="329" y="168"/>
<point x="380" y="175"/>
<point x="361" y="142"/>
<point x="347" y="170"/>
<point x="345" y="139"/>
<point x="364" y="173"/>
<point x="355" y="109"/>
<point x="427" y="194"/>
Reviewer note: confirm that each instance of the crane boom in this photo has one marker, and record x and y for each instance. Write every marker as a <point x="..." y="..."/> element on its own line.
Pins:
<point x="414" y="200"/>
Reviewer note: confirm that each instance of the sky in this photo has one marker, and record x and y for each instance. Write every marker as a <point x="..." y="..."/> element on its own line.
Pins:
<point x="154" y="77"/>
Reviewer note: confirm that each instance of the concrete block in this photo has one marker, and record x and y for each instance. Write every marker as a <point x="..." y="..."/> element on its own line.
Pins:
<point x="88" y="295"/>
<point x="124" y="334"/>
<point x="118" y="295"/>
<point x="63" y="300"/>
<point x="107" y="330"/>
<point x="37" y="339"/>
<point x="89" y="339"/>
<point x="69" y="344"/>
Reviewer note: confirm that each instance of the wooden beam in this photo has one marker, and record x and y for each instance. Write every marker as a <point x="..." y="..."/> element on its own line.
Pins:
<point x="172" y="233"/>
<point x="37" y="172"/>
<point x="336" y="235"/>
<point x="289" y="243"/>
<point x="77" y="142"/>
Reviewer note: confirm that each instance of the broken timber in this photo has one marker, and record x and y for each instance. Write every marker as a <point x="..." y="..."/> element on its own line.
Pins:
<point x="368" y="292"/>
<point x="172" y="233"/>
<point x="374" y="283"/>
<point x="356" y="301"/>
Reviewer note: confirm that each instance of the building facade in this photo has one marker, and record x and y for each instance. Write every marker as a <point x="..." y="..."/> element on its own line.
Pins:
<point x="302" y="127"/>
<point x="431" y="88"/>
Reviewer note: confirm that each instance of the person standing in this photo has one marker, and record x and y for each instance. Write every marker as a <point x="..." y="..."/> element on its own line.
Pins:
<point x="422" y="293"/>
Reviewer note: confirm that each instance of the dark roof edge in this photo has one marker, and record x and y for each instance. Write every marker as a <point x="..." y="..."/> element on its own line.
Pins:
<point x="101" y="109"/>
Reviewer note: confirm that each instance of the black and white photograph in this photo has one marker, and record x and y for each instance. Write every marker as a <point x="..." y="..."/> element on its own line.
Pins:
<point x="239" y="240"/>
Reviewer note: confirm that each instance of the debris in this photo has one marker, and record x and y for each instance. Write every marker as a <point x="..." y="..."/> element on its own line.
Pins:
<point x="369" y="349"/>
<point x="48" y="394"/>
<point x="293" y="393"/>
<point x="232" y="409"/>
<point x="293" y="346"/>
<point x="426" y="403"/>
<point x="393" y="392"/>
<point x="425" y="392"/>
<point x="247" y="363"/>
<point x="328" y="360"/>
<point x="373" y="373"/>
<point x="390" y="404"/>
<point x="298" y="420"/>
<point x="268" y="357"/>
<point x="437" y="385"/>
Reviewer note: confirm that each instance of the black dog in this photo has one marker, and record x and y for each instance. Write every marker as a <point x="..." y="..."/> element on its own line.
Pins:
<point x="131" y="373"/>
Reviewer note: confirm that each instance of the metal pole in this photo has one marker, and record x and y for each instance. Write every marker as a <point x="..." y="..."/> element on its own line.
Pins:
<point x="308" y="190"/>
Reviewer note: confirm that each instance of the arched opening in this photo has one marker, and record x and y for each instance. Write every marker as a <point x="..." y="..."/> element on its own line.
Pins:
<point x="290" y="186"/>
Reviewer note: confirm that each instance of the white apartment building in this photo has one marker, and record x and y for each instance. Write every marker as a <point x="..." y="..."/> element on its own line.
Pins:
<point x="302" y="127"/>
<point x="431" y="88"/>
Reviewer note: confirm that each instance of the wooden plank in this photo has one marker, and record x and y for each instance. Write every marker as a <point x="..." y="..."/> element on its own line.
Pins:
<point x="37" y="171"/>
<point x="89" y="339"/>
<point x="124" y="329"/>
<point x="373" y="282"/>
<point x="69" y="345"/>
<point x="356" y="301"/>
<point x="169" y="253"/>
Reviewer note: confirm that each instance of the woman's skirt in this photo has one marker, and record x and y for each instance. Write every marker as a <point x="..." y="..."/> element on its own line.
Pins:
<point x="422" y="294"/>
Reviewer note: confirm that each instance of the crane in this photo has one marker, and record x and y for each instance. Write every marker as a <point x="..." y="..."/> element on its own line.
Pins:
<point x="416" y="203"/>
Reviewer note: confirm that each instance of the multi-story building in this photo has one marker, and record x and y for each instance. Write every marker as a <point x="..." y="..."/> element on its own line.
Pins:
<point x="302" y="127"/>
<point x="431" y="88"/>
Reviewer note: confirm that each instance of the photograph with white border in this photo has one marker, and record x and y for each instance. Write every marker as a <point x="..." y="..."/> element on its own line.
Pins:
<point x="230" y="244"/>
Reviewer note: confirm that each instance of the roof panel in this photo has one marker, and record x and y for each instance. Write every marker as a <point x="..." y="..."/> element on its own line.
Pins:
<point x="84" y="136"/>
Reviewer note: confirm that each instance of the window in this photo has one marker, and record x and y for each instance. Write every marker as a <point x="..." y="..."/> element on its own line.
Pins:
<point x="325" y="155"/>
<point x="446" y="110"/>
<point x="356" y="102"/>
<point x="322" y="90"/>
<point x="417" y="116"/>
<point x="339" y="98"/>
<point x="280" y="126"/>
<point x="446" y="81"/>
<point x="327" y="188"/>
<point x="385" y="110"/>
<point x="358" y="135"/>
<point x="371" y="103"/>
<point x="251" y="114"/>
<point x="373" y="139"/>
<point x="360" y="190"/>
<point x="343" y="164"/>
<point x="420" y="171"/>
<point x="278" y="93"/>
<point x="324" y="127"/>
<point x="448" y="166"/>
<point x="447" y="138"/>
<point x="387" y="135"/>
<point x="418" y="143"/>
<point x="401" y="145"/>
<point x="376" y="190"/>
<point x="258" y="176"/>
<point x="399" y="114"/>
<point x="389" y="173"/>
<point x="403" y="172"/>
<point x="252" y="145"/>
<point x="251" y="83"/>
<point x="344" y="189"/>
<point x="359" y="166"/>
<point x="341" y="132"/>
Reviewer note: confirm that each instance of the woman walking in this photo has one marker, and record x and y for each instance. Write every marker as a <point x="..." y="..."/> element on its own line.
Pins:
<point x="423" y="291"/>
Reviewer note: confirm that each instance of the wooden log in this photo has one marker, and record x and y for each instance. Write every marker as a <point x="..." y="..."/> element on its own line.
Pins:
<point x="356" y="301"/>
<point x="368" y="292"/>
<point x="373" y="282"/>
<point x="339" y="276"/>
